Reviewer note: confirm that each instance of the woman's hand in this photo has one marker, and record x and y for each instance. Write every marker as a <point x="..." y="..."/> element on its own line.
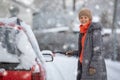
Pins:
<point x="69" y="53"/>
<point x="92" y="70"/>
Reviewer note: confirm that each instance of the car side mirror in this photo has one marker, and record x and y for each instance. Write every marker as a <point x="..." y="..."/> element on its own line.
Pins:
<point x="48" y="57"/>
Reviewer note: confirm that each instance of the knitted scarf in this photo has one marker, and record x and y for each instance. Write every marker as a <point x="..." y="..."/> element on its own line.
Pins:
<point x="83" y="30"/>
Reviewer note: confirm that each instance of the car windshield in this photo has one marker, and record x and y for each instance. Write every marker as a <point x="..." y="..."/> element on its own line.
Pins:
<point x="16" y="51"/>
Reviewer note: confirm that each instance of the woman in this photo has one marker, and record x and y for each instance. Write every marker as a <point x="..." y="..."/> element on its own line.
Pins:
<point x="91" y="65"/>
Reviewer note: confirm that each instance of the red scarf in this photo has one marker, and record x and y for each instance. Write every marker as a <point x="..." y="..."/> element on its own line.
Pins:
<point x="83" y="29"/>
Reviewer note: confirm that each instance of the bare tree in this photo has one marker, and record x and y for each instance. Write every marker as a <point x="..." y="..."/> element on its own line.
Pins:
<point x="64" y="4"/>
<point x="74" y="1"/>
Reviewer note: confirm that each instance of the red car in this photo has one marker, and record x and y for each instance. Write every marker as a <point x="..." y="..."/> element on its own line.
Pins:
<point x="20" y="57"/>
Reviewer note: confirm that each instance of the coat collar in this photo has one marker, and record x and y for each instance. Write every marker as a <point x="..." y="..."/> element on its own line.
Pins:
<point x="94" y="26"/>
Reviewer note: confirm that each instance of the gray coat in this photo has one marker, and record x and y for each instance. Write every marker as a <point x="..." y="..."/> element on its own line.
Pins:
<point x="92" y="56"/>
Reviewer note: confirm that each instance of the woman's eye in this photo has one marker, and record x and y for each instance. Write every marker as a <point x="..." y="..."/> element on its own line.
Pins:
<point x="81" y="17"/>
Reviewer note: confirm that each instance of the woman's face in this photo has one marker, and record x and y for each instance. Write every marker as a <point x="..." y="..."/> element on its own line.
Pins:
<point x="84" y="20"/>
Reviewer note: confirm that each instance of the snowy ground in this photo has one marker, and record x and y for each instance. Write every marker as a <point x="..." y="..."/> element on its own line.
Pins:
<point x="113" y="70"/>
<point x="64" y="68"/>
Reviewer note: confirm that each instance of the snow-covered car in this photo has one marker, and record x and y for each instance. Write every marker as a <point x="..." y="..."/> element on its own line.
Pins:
<point x="20" y="56"/>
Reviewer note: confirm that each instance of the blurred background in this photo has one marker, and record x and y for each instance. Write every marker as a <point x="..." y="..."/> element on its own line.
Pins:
<point x="56" y="26"/>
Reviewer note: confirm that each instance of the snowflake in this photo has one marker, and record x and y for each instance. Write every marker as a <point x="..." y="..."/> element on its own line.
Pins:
<point x="96" y="48"/>
<point x="86" y="61"/>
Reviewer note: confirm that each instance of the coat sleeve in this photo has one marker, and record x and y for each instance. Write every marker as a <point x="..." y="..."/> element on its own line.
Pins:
<point x="77" y="52"/>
